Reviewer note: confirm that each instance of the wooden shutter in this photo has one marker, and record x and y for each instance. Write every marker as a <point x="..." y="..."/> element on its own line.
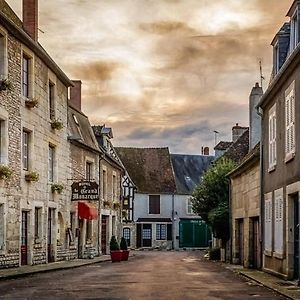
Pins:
<point x="138" y="235"/>
<point x="268" y="224"/>
<point x="290" y="120"/>
<point x="272" y="137"/>
<point x="169" y="232"/>
<point x="154" y="204"/>
<point x="278" y="224"/>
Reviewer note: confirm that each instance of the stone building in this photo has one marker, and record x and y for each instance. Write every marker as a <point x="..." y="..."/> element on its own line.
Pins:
<point x="111" y="171"/>
<point x="245" y="196"/>
<point x="33" y="121"/>
<point x="84" y="163"/>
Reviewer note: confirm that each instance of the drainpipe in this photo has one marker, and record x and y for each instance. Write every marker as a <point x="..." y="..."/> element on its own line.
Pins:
<point x="230" y="221"/>
<point x="173" y="221"/>
<point x="261" y="206"/>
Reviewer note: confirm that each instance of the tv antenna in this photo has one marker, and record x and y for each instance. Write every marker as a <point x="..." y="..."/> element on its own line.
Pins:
<point x="261" y="73"/>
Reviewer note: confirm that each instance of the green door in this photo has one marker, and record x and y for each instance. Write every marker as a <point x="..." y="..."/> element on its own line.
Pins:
<point x="193" y="234"/>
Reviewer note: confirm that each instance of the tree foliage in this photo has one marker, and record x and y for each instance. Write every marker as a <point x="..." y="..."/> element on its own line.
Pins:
<point x="210" y="199"/>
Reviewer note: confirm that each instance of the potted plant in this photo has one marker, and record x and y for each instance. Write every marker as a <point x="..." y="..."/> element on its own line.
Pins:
<point x="32" y="176"/>
<point x="106" y="203"/>
<point x="56" y="187"/>
<point x="124" y="248"/>
<point x="115" y="252"/>
<point x="5" y="172"/>
<point x="116" y="205"/>
<point x="56" y="124"/>
<point x="30" y="103"/>
<point x="5" y="84"/>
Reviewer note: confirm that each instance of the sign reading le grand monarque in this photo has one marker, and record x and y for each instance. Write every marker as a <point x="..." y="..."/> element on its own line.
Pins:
<point x="85" y="190"/>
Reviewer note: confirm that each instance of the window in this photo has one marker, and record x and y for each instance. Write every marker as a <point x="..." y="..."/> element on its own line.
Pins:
<point x="104" y="184"/>
<point x="88" y="170"/>
<point x="51" y="163"/>
<point x="290" y="121"/>
<point x="3" y="57"/>
<point x="189" y="206"/>
<point x="268" y="223"/>
<point x="126" y="235"/>
<point x="294" y="31"/>
<point x="1" y="140"/>
<point x="72" y="221"/>
<point x="272" y="138"/>
<point x="161" y="231"/>
<point x="276" y="58"/>
<point x="89" y="231"/>
<point x="25" y="76"/>
<point x="37" y="222"/>
<point x="2" y="230"/>
<point x="51" y="101"/>
<point x="154" y="204"/>
<point x="114" y="187"/>
<point x="278" y="225"/>
<point x="25" y="149"/>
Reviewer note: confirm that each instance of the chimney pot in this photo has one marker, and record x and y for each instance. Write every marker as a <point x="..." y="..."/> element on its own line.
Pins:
<point x="75" y="94"/>
<point x="30" y="18"/>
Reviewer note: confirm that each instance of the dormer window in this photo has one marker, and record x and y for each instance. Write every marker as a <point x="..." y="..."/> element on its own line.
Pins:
<point x="276" y="58"/>
<point x="294" y="31"/>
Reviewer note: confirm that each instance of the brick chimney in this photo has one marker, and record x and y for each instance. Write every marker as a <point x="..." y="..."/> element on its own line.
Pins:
<point x="75" y="94"/>
<point x="237" y="131"/>
<point x="30" y="18"/>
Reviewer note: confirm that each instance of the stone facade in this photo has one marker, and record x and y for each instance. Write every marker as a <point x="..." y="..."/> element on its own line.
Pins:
<point x="245" y="214"/>
<point x="27" y="231"/>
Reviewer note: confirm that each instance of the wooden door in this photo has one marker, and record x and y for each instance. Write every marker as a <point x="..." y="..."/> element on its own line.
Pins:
<point x="138" y="235"/>
<point x="104" y="234"/>
<point x="296" y="237"/>
<point x="241" y="241"/>
<point x="147" y="235"/>
<point x="24" y="238"/>
<point x="255" y="243"/>
<point x="49" y="238"/>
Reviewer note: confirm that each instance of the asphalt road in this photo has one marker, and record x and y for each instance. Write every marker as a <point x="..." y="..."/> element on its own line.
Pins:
<point x="148" y="275"/>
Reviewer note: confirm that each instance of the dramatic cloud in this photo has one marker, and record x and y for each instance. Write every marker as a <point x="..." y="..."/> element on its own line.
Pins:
<point x="163" y="72"/>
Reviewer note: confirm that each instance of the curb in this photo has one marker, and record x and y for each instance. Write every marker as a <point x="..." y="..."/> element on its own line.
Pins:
<point x="265" y="285"/>
<point x="29" y="273"/>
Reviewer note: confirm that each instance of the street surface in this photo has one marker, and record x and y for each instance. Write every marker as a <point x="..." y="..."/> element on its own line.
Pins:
<point x="148" y="275"/>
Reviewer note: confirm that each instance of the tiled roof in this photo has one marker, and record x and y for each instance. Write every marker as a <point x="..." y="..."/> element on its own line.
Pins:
<point x="223" y="145"/>
<point x="188" y="170"/>
<point x="149" y="168"/>
<point x="239" y="149"/>
<point x="80" y="129"/>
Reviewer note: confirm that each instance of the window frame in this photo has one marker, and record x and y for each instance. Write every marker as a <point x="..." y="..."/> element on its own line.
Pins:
<point x="25" y="149"/>
<point x="51" y="100"/>
<point x="154" y="208"/>
<point x="51" y="163"/>
<point x="37" y="223"/>
<point x="272" y="148"/>
<point x="161" y="234"/>
<point x="88" y="170"/>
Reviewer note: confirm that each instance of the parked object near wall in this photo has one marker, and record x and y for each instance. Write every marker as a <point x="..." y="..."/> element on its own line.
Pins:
<point x="115" y="252"/>
<point x="124" y="248"/>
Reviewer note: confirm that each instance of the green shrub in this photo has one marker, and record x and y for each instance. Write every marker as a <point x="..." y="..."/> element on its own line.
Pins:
<point x="214" y="254"/>
<point x="123" y="244"/>
<point x="113" y="245"/>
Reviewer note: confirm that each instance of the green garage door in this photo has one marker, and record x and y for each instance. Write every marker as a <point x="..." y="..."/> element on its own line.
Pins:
<point x="193" y="234"/>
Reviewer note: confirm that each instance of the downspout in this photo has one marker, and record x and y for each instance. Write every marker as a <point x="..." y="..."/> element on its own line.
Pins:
<point x="230" y="221"/>
<point x="99" y="206"/>
<point x="173" y="221"/>
<point x="261" y="206"/>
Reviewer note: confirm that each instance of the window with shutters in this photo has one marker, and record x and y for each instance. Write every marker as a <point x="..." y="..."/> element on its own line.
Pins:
<point x="161" y="231"/>
<point x="154" y="204"/>
<point x="268" y="224"/>
<point x="51" y="163"/>
<point x="290" y="146"/>
<point x="278" y="223"/>
<point x="25" y="149"/>
<point x="272" y="138"/>
<point x="294" y="35"/>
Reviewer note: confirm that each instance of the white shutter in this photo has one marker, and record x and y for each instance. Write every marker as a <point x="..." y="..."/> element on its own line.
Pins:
<point x="290" y="120"/>
<point x="272" y="137"/>
<point x="268" y="225"/>
<point x="278" y="226"/>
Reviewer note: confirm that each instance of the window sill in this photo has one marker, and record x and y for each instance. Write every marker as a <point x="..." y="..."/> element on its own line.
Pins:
<point x="289" y="157"/>
<point x="272" y="169"/>
<point x="268" y="253"/>
<point x="278" y="255"/>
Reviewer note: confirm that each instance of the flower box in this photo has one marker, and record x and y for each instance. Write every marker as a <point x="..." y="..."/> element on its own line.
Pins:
<point x="56" y="124"/>
<point x="32" y="176"/>
<point x="5" y="172"/>
<point x="56" y="187"/>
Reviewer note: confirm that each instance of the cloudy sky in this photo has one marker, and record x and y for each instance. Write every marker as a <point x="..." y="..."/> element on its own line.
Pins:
<point x="163" y="72"/>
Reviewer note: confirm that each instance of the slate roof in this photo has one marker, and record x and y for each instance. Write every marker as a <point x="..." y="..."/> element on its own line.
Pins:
<point x="223" y="145"/>
<point x="188" y="171"/>
<point x="239" y="149"/>
<point x="82" y="132"/>
<point x="149" y="168"/>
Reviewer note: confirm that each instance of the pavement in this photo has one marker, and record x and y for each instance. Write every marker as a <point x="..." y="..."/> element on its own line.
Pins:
<point x="289" y="289"/>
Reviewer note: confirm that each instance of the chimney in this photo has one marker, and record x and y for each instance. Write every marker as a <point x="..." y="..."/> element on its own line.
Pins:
<point x="30" y="18"/>
<point x="75" y="94"/>
<point x="254" y="118"/>
<point x="204" y="150"/>
<point x="237" y="131"/>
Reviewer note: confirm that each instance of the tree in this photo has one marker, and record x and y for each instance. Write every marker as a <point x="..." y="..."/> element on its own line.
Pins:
<point x="210" y="199"/>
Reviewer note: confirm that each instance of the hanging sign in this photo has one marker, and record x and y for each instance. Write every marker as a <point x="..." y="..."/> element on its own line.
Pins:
<point x="85" y="190"/>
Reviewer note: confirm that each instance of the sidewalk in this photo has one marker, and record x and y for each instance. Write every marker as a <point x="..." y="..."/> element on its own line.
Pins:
<point x="289" y="289"/>
<point x="61" y="265"/>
